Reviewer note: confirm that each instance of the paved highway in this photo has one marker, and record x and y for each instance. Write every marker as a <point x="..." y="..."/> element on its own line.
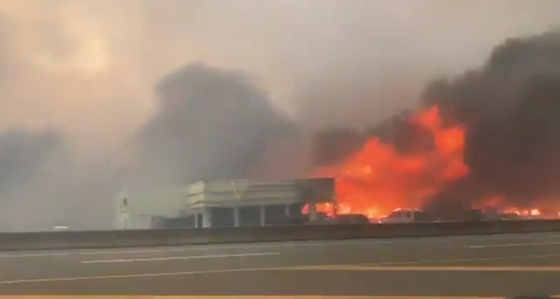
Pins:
<point x="454" y="266"/>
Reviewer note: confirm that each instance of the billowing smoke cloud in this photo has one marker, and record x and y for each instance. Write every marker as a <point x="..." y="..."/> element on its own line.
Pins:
<point x="210" y="124"/>
<point x="87" y="68"/>
<point x="511" y="108"/>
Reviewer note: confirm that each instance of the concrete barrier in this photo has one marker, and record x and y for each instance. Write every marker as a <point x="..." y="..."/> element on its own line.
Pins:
<point x="174" y="237"/>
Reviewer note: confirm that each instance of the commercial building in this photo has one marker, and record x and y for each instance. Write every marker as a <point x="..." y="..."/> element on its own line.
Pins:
<point x="224" y="203"/>
<point x="254" y="202"/>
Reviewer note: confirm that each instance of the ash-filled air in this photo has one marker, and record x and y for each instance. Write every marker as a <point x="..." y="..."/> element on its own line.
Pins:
<point x="100" y="94"/>
<point x="489" y="136"/>
<point x="215" y="121"/>
<point x="511" y="109"/>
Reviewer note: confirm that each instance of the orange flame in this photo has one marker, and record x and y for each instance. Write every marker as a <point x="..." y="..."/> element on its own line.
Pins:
<point x="377" y="179"/>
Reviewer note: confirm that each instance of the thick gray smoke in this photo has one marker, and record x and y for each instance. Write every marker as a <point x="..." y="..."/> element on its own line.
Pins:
<point x="26" y="158"/>
<point x="87" y="68"/>
<point x="511" y="108"/>
<point x="210" y="124"/>
<point x="42" y="185"/>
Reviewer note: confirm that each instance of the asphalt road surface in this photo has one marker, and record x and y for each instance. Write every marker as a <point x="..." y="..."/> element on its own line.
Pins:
<point x="501" y="265"/>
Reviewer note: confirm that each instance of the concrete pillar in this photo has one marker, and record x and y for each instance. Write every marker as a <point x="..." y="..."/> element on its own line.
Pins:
<point x="312" y="212"/>
<point x="195" y="215"/>
<point x="236" y="216"/>
<point x="206" y="218"/>
<point x="262" y="214"/>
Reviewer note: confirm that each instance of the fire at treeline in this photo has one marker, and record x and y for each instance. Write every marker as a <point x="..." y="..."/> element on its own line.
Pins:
<point x="486" y="139"/>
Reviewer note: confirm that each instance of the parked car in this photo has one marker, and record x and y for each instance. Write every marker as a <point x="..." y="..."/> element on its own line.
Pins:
<point x="407" y="216"/>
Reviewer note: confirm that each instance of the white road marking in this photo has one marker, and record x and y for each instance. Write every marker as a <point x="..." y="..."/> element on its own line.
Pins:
<point x="192" y="257"/>
<point x="97" y="252"/>
<point x="124" y="276"/>
<point x="175" y="249"/>
<point x="286" y="268"/>
<point x="471" y="259"/>
<point x="513" y="245"/>
<point x="205" y="248"/>
<point x="295" y="244"/>
<point x="431" y="268"/>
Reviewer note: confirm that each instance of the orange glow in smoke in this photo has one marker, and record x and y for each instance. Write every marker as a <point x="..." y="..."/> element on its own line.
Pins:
<point x="377" y="179"/>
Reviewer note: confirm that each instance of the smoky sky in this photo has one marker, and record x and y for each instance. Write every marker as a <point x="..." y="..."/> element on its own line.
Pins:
<point x="42" y="184"/>
<point x="210" y="124"/>
<point x="89" y="66"/>
<point x="101" y="73"/>
<point x="510" y="108"/>
<point x="23" y="156"/>
<point x="25" y="159"/>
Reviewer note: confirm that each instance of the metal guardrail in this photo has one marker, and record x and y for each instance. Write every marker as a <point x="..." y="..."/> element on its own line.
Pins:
<point x="175" y="237"/>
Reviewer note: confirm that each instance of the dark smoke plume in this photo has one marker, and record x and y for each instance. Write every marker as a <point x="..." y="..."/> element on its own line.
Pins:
<point x="332" y="145"/>
<point x="210" y="124"/>
<point x="511" y="108"/>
